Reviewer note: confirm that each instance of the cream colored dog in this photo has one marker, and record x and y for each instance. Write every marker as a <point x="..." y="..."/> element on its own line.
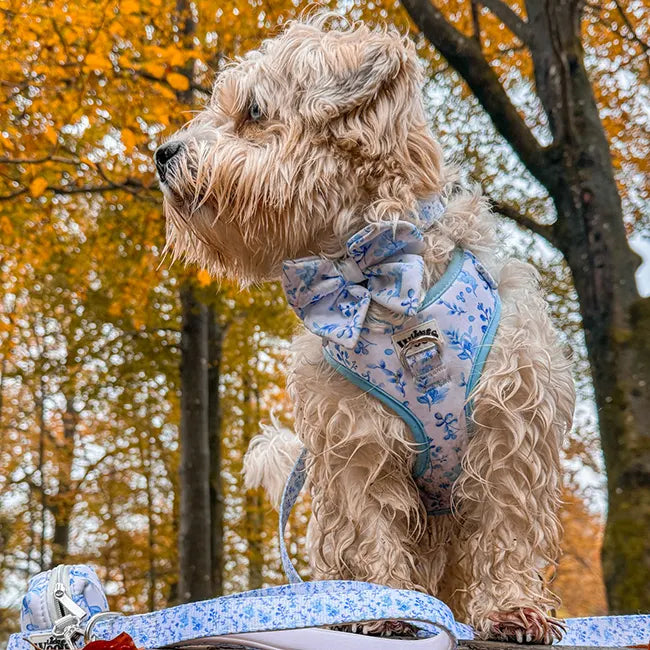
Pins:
<point x="304" y="142"/>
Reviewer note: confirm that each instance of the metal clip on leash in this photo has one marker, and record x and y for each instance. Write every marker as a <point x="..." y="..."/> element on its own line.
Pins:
<point x="68" y="631"/>
<point x="88" y="632"/>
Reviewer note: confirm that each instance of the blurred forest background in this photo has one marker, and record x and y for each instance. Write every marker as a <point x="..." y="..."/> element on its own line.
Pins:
<point x="109" y="357"/>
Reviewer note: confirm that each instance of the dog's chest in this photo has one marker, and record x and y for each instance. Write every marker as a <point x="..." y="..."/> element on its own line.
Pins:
<point x="426" y="369"/>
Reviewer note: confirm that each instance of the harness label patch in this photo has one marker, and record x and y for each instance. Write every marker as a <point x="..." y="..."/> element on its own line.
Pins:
<point x="418" y="336"/>
<point x="420" y="352"/>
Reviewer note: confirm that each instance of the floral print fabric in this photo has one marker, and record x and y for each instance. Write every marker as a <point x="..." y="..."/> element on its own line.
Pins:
<point x="430" y="389"/>
<point x="83" y="586"/>
<point x="382" y="263"/>
<point x="315" y="604"/>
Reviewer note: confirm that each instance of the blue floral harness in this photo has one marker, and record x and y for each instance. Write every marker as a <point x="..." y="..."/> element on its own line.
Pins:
<point x="424" y="369"/>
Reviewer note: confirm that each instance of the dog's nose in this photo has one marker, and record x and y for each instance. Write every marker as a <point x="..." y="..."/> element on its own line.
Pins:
<point x="164" y="154"/>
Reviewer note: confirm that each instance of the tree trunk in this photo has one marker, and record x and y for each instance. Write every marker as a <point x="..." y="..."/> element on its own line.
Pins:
<point x="253" y="503"/>
<point x="195" y="579"/>
<point x="215" y="348"/>
<point x="576" y="170"/>
<point x="616" y="324"/>
<point x="62" y="504"/>
<point x="591" y="234"/>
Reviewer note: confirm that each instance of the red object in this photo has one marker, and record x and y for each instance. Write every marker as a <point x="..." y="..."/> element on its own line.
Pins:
<point x="121" y="642"/>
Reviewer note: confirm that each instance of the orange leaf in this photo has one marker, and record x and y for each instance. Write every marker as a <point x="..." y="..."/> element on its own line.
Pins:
<point x="129" y="7"/>
<point x="51" y="135"/>
<point x="204" y="278"/>
<point x="129" y="139"/>
<point x="178" y="81"/>
<point x="37" y="187"/>
<point x="97" y="62"/>
<point x="155" y="69"/>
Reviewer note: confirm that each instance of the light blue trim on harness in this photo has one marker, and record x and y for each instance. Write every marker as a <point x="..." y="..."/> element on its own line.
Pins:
<point x="445" y="280"/>
<point x="479" y="362"/>
<point x="417" y="428"/>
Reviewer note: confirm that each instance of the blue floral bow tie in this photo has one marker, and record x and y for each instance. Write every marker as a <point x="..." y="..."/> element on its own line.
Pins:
<point x="383" y="263"/>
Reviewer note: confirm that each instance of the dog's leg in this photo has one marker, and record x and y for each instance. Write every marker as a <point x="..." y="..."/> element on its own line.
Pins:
<point x="367" y="514"/>
<point x="509" y="492"/>
<point x="435" y="551"/>
<point x="367" y="511"/>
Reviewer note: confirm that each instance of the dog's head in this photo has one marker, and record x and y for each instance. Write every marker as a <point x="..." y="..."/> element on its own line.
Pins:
<point x="299" y="139"/>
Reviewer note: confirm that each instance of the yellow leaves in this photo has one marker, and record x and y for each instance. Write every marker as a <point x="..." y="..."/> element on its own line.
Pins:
<point x="167" y="93"/>
<point x="155" y="69"/>
<point x="129" y="139"/>
<point x="98" y="62"/>
<point x="51" y="135"/>
<point x="129" y="7"/>
<point x="116" y="28"/>
<point x="6" y="227"/>
<point x="37" y="187"/>
<point x="162" y="59"/>
<point x="115" y="309"/>
<point x="176" y="56"/>
<point x="203" y="278"/>
<point x="178" y="81"/>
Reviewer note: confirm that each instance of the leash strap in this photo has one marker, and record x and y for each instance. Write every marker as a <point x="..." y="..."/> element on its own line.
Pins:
<point x="288" y="607"/>
<point x="292" y="488"/>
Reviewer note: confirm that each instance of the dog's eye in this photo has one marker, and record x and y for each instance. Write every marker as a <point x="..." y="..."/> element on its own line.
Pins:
<point x="255" y="112"/>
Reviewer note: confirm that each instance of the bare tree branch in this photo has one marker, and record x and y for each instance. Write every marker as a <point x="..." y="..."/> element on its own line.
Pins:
<point x="149" y="77"/>
<point x="6" y="160"/>
<point x="510" y="212"/>
<point x="465" y="56"/>
<point x="476" y="23"/>
<point x="509" y="18"/>
<point x="130" y="185"/>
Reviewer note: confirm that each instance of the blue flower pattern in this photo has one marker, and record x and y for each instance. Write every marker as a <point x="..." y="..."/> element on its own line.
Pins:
<point x="464" y="312"/>
<point x="395" y="377"/>
<point x="308" y="605"/>
<point x="382" y="264"/>
<point x="433" y="396"/>
<point x="84" y="588"/>
<point x="449" y="424"/>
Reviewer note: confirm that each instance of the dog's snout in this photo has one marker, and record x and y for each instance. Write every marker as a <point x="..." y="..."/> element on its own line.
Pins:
<point x="164" y="154"/>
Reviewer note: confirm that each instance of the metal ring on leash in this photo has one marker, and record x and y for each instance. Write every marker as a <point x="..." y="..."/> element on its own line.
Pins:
<point x="95" y="618"/>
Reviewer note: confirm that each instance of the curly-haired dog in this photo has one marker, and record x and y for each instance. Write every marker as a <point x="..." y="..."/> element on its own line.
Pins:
<point x="313" y="163"/>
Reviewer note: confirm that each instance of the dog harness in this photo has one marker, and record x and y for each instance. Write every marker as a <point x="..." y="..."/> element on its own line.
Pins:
<point x="425" y="368"/>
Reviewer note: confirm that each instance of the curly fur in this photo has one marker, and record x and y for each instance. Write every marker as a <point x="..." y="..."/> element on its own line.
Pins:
<point x="342" y="141"/>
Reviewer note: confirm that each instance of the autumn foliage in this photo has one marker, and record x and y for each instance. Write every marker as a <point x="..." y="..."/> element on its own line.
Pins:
<point x="90" y="313"/>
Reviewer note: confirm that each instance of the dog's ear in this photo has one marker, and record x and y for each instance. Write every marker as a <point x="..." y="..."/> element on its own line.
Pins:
<point x="358" y="65"/>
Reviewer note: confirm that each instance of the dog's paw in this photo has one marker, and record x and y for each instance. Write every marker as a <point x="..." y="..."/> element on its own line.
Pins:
<point x="381" y="628"/>
<point x="525" y="625"/>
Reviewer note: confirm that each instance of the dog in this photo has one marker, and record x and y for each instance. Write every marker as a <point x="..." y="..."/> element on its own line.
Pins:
<point x="312" y="148"/>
